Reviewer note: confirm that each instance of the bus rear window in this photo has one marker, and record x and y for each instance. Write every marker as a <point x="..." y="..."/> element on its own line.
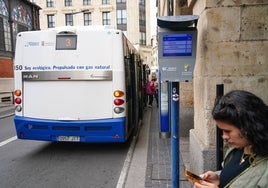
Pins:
<point x="66" y="42"/>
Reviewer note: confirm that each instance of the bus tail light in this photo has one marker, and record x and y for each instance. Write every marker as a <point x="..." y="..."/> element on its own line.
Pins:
<point x="119" y="93"/>
<point x="118" y="110"/>
<point x="17" y="93"/>
<point x="17" y="100"/>
<point x="18" y="108"/>
<point x="118" y="101"/>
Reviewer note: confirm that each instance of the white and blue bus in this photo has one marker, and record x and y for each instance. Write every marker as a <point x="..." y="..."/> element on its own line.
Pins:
<point x="78" y="84"/>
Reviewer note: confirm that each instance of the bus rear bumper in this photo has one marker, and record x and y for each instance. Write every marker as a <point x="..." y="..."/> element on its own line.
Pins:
<point x="105" y="130"/>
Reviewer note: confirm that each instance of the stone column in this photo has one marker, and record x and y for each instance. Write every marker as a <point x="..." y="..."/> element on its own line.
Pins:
<point x="231" y="50"/>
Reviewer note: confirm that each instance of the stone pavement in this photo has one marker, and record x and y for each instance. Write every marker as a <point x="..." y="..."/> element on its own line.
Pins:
<point x="158" y="173"/>
<point x="151" y="157"/>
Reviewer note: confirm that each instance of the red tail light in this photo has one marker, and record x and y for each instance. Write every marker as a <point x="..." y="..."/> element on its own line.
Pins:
<point x="18" y="101"/>
<point x="119" y="102"/>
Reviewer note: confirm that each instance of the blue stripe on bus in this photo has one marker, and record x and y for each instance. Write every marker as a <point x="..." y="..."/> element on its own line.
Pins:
<point x="103" y="130"/>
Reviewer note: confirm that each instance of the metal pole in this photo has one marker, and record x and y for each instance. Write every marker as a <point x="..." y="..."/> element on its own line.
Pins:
<point x="174" y="98"/>
<point x="219" y="143"/>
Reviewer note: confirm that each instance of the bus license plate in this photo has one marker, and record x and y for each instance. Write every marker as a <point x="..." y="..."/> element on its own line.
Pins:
<point x="69" y="138"/>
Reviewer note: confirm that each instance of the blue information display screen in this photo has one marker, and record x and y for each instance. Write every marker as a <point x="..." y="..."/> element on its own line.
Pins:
<point x="178" y="44"/>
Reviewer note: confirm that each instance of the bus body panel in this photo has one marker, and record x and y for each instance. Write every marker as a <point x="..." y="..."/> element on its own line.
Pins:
<point x="60" y="101"/>
<point x="105" y="130"/>
<point x="56" y="97"/>
<point x="75" y="86"/>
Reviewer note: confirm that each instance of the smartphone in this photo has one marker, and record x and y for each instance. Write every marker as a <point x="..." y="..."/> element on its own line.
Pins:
<point x="192" y="177"/>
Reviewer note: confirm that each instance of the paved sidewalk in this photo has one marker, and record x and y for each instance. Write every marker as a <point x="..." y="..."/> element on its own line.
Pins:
<point x="151" y="157"/>
<point x="158" y="173"/>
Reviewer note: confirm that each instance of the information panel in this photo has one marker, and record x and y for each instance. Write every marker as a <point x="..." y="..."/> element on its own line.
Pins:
<point x="176" y="54"/>
<point x="177" y="45"/>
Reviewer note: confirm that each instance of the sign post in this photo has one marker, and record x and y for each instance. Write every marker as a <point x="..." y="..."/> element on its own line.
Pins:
<point x="176" y="56"/>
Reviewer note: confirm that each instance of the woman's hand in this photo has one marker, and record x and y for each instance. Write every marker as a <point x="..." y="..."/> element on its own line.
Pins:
<point x="211" y="177"/>
<point x="210" y="180"/>
<point x="205" y="184"/>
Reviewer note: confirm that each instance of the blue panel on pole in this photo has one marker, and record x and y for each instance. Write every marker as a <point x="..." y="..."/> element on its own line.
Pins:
<point x="164" y="110"/>
<point x="174" y="133"/>
<point x="164" y="123"/>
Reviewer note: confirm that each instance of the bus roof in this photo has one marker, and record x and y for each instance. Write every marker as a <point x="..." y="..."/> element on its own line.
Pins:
<point x="73" y="29"/>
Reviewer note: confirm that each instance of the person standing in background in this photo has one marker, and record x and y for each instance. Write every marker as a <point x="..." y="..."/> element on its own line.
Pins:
<point x="150" y="91"/>
<point x="156" y="92"/>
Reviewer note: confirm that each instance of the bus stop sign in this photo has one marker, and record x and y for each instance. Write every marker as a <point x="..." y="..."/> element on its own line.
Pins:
<point x="177" y="47"/>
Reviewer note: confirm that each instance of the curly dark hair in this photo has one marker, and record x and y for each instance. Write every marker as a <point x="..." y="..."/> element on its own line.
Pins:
<point x="248" y="113"/>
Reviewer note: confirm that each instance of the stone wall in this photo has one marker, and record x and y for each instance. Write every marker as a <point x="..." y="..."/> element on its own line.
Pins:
<point x="232" y="50"/>
<point x="6" y="75"/>
<point x="6" y="68"/>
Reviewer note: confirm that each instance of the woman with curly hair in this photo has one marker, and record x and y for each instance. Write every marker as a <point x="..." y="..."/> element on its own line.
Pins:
<point x="243" y="119"/>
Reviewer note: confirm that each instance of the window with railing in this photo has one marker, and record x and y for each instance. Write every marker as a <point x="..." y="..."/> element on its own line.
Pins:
<point x="51" y="21"/>
<point x="106" y="20"/>
<point x="87" y="19"/>
<point x="120" y="1"/>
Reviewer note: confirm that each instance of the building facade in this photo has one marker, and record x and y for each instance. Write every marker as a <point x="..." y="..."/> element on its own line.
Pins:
<point x="130" y="16"/>
<point x="15" y="16"/>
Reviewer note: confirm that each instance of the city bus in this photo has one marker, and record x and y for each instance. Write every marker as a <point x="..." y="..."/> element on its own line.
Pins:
<point x="77" y="84"/>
